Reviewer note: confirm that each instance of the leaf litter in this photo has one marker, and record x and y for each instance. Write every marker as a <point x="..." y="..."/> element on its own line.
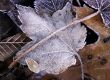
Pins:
<point x="57" y="35"/>
<point x="51" y="35"/>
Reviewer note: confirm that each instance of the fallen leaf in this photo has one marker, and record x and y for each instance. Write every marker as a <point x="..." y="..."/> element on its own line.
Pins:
<point x="98" y="25"/>
<point x="57" y="53"/>
<point x="9" y="46"/>
<point x="48" y="6"/>
<point x="96" y="56"/>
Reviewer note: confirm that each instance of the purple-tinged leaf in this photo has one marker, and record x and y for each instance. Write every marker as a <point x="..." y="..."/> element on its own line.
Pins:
<point x="103" y="6"/>
<point x="48" y="6"/>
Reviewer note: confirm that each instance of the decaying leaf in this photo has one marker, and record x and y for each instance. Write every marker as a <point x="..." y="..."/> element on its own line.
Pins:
<point x="9" y="46"/>
<point x="96" y="56"/>
<point x="100" y="30"/>
<point x="58" y="53"/>
<point x="103" y="6"/>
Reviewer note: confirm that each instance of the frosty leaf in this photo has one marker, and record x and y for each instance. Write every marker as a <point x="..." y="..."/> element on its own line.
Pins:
<point x="103" y="6"/>
<point x="58" y="53"/>
<point x="33" y="25"/>
<point x="53" y="56"/>
<point x="76" y="41"/>
<point x="48" y="6"/>
<point x="64" y="17"/>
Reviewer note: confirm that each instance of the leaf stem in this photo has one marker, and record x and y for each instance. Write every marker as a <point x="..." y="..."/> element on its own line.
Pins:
<point x="51" y="35"/>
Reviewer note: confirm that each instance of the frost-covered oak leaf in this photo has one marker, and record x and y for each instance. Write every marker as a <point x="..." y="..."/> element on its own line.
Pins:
<point x="58" y="53"/>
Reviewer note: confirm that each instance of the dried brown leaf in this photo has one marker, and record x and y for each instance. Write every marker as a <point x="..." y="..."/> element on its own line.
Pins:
<point x="11" y="45"/>
<point x="94" y="23"/>
<point x="96" y="56"/>
<point x="103" y="6"/>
